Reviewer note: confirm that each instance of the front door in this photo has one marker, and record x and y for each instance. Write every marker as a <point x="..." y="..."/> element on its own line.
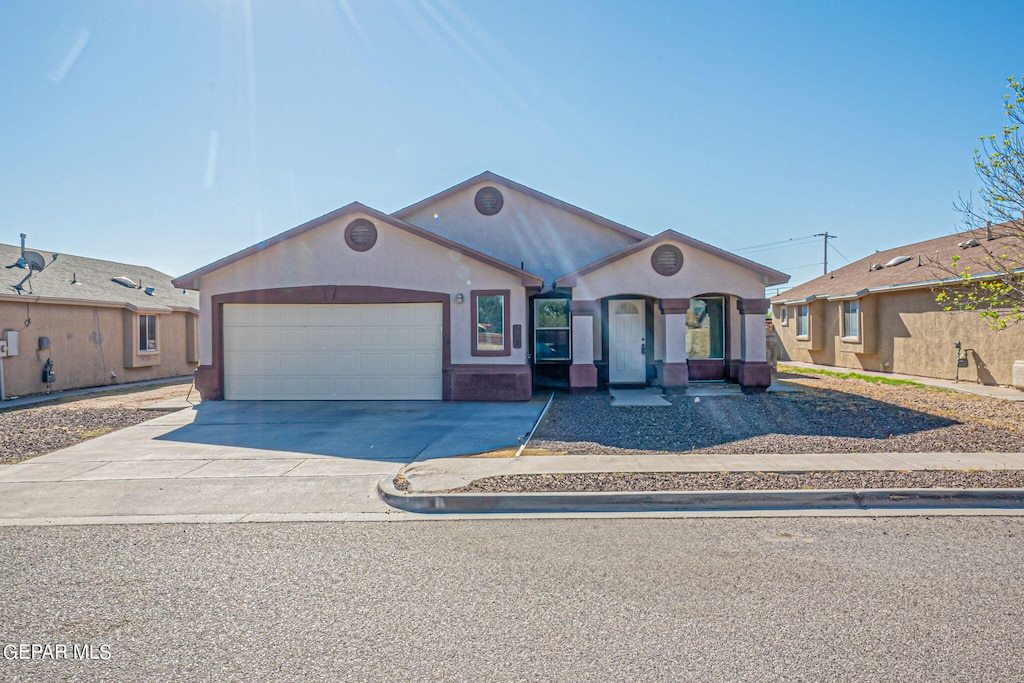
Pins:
<point x="626" y="343"/>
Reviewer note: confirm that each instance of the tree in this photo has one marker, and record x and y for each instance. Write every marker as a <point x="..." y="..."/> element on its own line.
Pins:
<point x="992" y="283"/>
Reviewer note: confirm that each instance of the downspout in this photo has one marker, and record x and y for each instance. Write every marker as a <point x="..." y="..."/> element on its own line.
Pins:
<point x="3" y="389"/>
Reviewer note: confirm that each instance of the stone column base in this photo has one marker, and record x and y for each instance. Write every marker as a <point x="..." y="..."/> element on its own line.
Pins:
<point x="754" y="376"/>
<point x="582" y="378"/>
<point x="675" y="375"/>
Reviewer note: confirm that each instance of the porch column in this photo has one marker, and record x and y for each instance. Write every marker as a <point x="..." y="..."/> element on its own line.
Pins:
<point x="675" y="371"/>
<point x="754" y="372"/>
<point x="583" y="372"/>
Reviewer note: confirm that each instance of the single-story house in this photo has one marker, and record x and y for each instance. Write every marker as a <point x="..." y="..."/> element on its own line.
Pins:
<point x="473" y="294"/>
<point x="880" y="314"/>
<point x="68" y="322"/>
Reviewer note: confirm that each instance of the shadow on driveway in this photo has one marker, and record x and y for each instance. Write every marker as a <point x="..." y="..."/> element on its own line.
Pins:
<point x="392" y="431"/>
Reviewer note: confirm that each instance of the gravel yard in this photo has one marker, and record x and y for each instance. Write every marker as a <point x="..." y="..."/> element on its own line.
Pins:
<point x="35" y="430"/>
<point x="740" y="481"/>
<point x="828" y="415"/>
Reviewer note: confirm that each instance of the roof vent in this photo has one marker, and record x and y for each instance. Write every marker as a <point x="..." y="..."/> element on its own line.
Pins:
<point x="361" y="235"/>
<point x="967" y="244"/>
<point x="667" y="259"/>
<point x="126" y="281"/>
<point x="896" y="261"/>
<point x="149" y="290"/>
<point x="488" y="200"/>
<point x="876" y="266"/>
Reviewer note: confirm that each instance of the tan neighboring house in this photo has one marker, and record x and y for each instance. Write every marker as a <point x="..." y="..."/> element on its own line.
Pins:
<point x="880" y="314"/>
<point x="476" y="293"/>
<point x="83" y="322"/>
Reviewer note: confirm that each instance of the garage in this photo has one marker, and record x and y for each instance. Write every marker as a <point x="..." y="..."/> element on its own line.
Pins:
<point x="332" y="351"/>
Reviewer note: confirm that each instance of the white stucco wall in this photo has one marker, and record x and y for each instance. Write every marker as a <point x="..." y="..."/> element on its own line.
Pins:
<point x="549" y="241"/>
<point x="398" y="259"/>
<point x="702" y="273"/>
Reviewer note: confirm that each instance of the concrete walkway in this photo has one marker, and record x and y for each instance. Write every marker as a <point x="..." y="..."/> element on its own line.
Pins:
<point x="450" y="473"/>
<point x="991" y="391"/>
<point x="35" y="399"/>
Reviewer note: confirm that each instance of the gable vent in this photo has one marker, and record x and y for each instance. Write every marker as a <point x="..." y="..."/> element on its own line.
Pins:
<point x="360" y="234"/>
<point x="667" y="259"/>
<point x="488" y="201"/>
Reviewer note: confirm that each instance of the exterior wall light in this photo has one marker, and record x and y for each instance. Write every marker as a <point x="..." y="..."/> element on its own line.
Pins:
<point x="459" y="298"/>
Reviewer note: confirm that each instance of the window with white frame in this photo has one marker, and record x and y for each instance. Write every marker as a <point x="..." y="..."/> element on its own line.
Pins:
<point x="851" y="323"/>
<point x="802" y="320"/>
<point x="147" y="333"/>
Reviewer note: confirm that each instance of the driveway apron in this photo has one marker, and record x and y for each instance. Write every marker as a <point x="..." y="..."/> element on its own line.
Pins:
<point x="226" y="460"/>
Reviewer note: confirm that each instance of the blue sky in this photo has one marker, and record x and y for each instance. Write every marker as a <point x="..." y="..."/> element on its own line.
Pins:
<point x="173" y="133"/>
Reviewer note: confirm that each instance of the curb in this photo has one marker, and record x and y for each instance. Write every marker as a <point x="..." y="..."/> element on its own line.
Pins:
<point x="702" y="501"/>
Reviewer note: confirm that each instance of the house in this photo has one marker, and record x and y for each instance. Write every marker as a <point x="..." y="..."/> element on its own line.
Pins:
<point x="475" y="293"/>
<point x="68" y="322"/>
<point x="880" y="313"/>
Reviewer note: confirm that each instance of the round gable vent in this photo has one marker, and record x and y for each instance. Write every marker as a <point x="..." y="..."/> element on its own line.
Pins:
<point x="488" y="201"/>
<point x="360" y="234"/>
<point x="667" y="259"/>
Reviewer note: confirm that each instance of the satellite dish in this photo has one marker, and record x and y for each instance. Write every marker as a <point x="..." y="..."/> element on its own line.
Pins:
<point x="34" y="259"/>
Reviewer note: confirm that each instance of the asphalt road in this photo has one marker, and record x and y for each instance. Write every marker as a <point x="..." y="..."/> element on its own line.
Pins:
<point x="856" y="599"/>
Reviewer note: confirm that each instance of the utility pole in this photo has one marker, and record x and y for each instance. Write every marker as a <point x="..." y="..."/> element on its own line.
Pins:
<point x="827" y="237"/>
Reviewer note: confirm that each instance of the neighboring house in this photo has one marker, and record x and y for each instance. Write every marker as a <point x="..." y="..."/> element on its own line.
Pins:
<point x="880" y="314"/>
<point x="473" y="294"/>
<point x="88" y="322"/>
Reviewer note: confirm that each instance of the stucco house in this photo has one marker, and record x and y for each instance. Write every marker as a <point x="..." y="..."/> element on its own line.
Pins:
<point x="84" y="322"/>
<point x="475" y="293"/>
<point x="880" y="313"/>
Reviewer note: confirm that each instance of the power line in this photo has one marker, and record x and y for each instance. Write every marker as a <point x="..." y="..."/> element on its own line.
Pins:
<point x="773" y="244"/>
<point x="796" y="243"/>
<point x="841" y="254"/>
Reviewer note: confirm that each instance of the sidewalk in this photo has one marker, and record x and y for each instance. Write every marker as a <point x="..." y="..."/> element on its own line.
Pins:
<point x="428" y="483"/>
<point x="34" y="399"/>
<point x="991" y="391"/>
<point x="451" y="473"/>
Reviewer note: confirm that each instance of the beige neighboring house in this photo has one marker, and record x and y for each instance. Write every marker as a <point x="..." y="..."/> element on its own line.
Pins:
<point x="880" y="314"/>
<point x="83" y="322"/>
<point x="476" y="293"/>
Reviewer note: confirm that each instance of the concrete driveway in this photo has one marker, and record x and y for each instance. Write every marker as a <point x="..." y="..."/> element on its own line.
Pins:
<point x="252" y="461"/>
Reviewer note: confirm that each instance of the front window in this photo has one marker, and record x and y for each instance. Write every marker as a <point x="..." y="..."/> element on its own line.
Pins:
<point x="801" y="321"/>
<point x="147" y="333"/>
<point x="705" y="328"/>
<point x="851" y="326"/>
<point x="551" y="329"/>
<point x="490" y="323"/>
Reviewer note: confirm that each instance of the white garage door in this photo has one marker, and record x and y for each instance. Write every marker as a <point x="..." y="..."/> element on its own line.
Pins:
<point x="332" y="351"/>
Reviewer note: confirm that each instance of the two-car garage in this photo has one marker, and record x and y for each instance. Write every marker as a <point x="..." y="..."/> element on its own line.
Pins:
<point x="332" y="351"/>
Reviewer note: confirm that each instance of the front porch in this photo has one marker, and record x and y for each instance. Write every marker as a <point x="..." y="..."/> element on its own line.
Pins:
<point x="637" y="340"/>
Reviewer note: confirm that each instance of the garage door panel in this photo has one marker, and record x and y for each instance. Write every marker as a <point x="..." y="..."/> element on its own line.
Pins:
<point x="295" y="363"/>
<point x="293" y="339"/>
<point x="332" y="351"/>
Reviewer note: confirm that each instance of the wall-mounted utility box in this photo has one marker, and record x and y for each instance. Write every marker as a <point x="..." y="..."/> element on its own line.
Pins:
<point x="44" y="343"/>
<point x="11" y="339"/>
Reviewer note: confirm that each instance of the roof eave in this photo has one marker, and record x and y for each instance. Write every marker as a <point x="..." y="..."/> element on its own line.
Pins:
<point x="192" y="280"/>
<point x="529" y="191"/>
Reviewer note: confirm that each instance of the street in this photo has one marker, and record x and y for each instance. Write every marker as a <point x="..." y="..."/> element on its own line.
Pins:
<point x="770" y="599"/>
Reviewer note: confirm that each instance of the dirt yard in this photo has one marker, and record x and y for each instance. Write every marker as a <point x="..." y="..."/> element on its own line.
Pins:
<point x="828" y="415"/>
<point x="35" y="430"/>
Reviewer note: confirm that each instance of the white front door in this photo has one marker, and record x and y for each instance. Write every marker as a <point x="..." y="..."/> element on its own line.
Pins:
<point x="626" y="343"/>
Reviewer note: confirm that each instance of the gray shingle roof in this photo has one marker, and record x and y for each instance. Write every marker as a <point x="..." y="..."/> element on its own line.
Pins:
<point x="89" y="280"/>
